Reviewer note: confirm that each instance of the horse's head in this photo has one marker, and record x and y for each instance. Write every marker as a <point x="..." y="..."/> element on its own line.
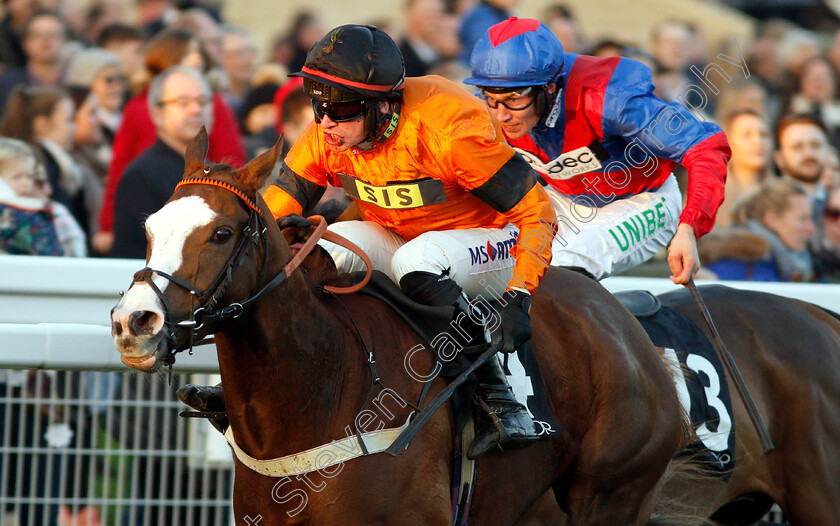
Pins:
<point x="206" y="256"/>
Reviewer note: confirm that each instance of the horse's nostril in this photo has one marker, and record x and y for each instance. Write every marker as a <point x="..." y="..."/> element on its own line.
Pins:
<point x="142" y="321"/>
<point x="116" y="328"/>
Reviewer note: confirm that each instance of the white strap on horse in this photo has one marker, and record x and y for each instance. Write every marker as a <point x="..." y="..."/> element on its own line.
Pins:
<point x="319" y="457"/>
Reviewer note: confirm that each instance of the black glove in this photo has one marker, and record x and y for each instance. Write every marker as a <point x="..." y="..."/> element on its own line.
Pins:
<point x="516" y="320"/>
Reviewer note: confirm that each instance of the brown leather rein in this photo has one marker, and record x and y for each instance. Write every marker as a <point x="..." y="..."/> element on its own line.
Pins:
<point x="320" y="231"/>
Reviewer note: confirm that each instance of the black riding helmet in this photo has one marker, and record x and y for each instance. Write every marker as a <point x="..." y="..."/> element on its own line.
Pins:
<point x="352" y="63"/>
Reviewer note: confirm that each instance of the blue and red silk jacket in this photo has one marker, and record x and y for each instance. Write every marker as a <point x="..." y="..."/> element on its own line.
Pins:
<point x="612" y="138"/>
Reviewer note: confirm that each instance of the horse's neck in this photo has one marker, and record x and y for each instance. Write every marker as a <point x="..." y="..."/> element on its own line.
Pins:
<point x="281" y="370"/>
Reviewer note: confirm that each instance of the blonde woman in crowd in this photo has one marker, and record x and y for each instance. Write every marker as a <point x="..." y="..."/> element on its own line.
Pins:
<point x="770" y="244"/>
<point x="749" y="140"/>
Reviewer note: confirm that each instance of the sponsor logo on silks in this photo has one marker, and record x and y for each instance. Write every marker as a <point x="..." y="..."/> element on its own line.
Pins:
<point x="569" y="164"/>
<point x="641" y="226"/>
<point x="490" y="251"/>
<point x="396" y="194"/>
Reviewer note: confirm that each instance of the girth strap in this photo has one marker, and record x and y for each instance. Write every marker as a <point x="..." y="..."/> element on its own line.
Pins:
<point x="320" y="457"/>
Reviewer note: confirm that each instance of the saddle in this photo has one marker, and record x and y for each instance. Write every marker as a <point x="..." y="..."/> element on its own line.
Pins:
<point x="696" y="370"/>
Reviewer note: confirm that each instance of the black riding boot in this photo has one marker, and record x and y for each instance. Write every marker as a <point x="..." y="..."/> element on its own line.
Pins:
<point x="206" y="398"/>
<point x="508" y="423"/>
<point x="470" y="321"/>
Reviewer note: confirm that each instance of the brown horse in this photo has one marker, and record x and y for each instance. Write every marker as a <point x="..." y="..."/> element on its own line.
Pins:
<point x="295" y="370"/>
<point x="294" y="363"/>
<point x="788" y="352"/>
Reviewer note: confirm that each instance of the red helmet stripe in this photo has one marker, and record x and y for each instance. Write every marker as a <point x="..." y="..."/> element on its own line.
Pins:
<point x="350" y="83"/>
<point x="510" y="28"/>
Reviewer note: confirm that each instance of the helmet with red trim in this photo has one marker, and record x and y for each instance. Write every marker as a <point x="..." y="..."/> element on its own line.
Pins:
<point x="516" y="53"/>
<point x="353" y="62"/>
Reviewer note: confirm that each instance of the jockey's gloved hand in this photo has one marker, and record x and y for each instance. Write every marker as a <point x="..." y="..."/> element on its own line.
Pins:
<point x="294" y="220"/>
<point x="516" y="320"/>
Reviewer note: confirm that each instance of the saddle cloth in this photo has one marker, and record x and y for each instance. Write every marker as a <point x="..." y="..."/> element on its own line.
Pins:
<point x="698" y="376"/>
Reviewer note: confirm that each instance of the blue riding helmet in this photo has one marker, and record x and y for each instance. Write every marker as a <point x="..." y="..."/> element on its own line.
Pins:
<point x="514" y="53"/>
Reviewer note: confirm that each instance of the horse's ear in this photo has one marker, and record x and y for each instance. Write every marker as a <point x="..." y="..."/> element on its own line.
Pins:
<point x="254" y="174"/>
<point x="196" y="153"/>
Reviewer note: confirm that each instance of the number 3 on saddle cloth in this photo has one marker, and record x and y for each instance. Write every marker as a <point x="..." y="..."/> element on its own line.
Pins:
<point x="698" y="376"/>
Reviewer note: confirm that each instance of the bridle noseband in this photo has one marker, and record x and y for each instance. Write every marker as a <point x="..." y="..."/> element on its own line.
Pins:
<point x="207" y="317"/>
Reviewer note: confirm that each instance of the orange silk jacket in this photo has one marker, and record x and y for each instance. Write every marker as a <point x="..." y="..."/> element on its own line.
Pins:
<point x="446" y="166"/>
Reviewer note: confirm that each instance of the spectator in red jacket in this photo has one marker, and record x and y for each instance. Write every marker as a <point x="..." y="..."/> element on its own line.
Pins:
<point x="137" y="132"/>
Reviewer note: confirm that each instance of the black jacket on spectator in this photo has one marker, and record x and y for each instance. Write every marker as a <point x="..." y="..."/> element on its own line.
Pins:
<point x="415" y="66"/>
<point x="144" y="188"/>
<point x="74" y="203"/>
<point x="11" y="49"/>
<point x="10" y="80"/>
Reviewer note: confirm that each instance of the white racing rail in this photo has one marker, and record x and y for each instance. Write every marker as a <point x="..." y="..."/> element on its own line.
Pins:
<point x="55" y="312"/>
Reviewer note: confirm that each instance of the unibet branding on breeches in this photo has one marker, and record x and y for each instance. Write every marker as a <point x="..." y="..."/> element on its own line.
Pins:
<point x="477" y="259"/>
<point x="610" y="239"/>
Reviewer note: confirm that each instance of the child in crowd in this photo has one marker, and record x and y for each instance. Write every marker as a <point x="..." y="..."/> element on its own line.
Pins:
<point x="43" y="117"/>
<point x="26" y="221"/>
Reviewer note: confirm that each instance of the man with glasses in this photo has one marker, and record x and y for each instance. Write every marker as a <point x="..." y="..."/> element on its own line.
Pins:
<point x="450" y="211"/>
<point x="180" y="102"/>
<point x="605" y="148"/>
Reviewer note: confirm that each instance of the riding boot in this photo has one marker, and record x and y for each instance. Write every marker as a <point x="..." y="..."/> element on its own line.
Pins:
<point x="470" y="321"/>
<point x="508" y="423"/>
<point x="206" y="398"/>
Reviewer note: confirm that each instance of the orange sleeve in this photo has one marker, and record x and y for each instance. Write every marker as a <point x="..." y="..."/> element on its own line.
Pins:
<point x="281" y="203"/>
<point x="534" y="215"/>
<point x="302" y="180"/>
<point x="490" y="169"/>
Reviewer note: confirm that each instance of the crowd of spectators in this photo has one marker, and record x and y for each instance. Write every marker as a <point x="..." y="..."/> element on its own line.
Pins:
<point x="75" y="86"/>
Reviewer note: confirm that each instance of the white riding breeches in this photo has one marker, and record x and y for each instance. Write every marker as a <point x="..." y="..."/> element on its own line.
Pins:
<point x="477" y="259"/>
<point x="612" y="238"/>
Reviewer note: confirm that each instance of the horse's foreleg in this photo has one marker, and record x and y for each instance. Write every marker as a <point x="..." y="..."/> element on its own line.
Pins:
<point x="621" y="462"/>
<point x="591" y="504"/>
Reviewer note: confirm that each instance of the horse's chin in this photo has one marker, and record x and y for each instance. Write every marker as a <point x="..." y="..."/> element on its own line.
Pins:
<point x="150" y="362"/>
<point x="143" y="363"/>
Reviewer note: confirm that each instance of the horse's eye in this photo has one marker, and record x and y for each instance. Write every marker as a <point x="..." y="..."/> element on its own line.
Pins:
<point x="222" y="235"/>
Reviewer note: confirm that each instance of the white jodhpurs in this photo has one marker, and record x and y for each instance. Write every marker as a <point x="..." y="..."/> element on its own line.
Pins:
<point x="612" y="238"/>
<point x="477" y="259"/>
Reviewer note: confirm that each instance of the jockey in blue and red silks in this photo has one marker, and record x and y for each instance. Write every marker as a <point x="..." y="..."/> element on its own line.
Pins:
<point x="606" y="147"/>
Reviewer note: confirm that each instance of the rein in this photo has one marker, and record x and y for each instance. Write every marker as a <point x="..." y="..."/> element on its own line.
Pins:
<point x="207" y="316"/>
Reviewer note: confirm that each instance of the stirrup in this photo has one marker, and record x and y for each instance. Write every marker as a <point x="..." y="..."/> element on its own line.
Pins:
<point x="519" y="432"/>
<point x="210" y="406"/>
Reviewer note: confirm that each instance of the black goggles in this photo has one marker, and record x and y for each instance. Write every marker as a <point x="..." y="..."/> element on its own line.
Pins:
<point x="517" y="100"/>
<point x="339" y="111"/>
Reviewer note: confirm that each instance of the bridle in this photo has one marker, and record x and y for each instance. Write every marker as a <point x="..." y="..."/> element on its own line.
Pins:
<point x="208" y="317"/>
